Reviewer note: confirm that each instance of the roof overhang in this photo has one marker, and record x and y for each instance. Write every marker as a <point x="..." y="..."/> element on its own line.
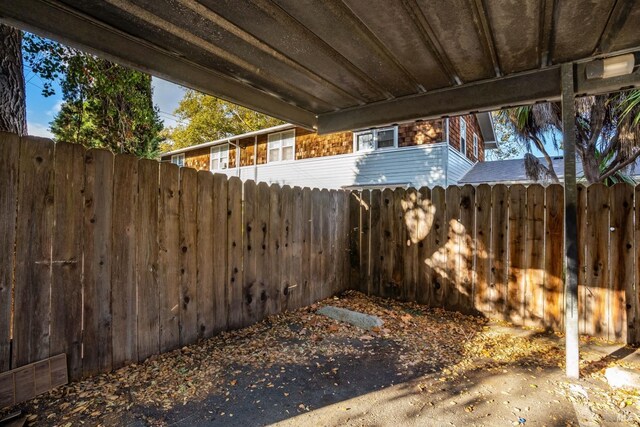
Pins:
<point x="342" y="64"/>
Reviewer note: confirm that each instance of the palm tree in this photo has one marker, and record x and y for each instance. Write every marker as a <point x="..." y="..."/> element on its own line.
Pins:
<point x="607" y="134"/>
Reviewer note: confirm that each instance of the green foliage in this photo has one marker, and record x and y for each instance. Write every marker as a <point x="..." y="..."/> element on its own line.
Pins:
<point x="508" y="146"/>
<point x="607" y="132"/>
<point x="105" y="105"/>
<point x="206" y="118"/>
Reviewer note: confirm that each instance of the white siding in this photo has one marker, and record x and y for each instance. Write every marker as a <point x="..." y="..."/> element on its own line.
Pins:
<point x="457" y="167"/>
<point x="415" y="166"/>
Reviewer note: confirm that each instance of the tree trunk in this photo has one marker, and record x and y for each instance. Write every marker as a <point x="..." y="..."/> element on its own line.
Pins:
<point x="13" y="117"/>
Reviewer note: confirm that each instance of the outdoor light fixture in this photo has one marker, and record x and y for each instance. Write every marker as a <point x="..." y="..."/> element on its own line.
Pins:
<point x="611" y="67"/>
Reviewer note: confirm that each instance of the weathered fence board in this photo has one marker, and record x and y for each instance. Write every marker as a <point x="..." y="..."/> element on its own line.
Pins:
<point x="128" y="258"/>
<point x="147" y="259"/>
<point x="483" y="289"/>
<point x="554" y="257"/>
<point x="168" y="257"/>
<point x="597" y="260"/>
<point x="98" y="210"/>
<point x="499" y="249"/>
<point x="123" y="266"/>
<point x="205" y="285"/>
<point x="516" y="243"/>
<point x="274" y="251"/>
<point x="621" y="258"/>
<point x="286" y="218"/>
<point x="261" y="236"/>
<point x="188" y="258"/>
<point x="66" y="264"/>
<point x="9" y="159"/>
<point x="234" y="255"/>
<point x="219" y="255"/>
<point x="467" y="249"/>
<point x="534" y="258"/>
<point x="33" y="252"/>
<point x="582" y="254"/>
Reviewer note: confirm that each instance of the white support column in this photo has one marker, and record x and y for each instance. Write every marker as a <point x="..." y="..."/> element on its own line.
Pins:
<point x="570" y="223"/>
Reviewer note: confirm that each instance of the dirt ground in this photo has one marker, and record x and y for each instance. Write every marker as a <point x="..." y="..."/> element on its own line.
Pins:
<point x="422" y="367"/>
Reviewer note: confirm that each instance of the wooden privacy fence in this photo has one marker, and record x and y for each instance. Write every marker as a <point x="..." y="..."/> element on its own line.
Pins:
<point x="498" y="250"/>
<point x="111" y="259"/>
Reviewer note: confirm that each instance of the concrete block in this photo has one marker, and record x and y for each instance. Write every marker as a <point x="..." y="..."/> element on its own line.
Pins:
<point x="354" y="318"/>
<point x="623" y="378"/>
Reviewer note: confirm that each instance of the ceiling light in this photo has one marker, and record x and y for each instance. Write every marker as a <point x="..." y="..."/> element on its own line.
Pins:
<point x="611" y="67"/>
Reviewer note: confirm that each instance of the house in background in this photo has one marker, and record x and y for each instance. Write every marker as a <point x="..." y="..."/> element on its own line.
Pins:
<point x="421" y="153"/>
<point x="512" y="171"/>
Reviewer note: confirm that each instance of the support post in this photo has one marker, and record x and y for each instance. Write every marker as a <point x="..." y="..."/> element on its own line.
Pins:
<point x="570" y="222"/>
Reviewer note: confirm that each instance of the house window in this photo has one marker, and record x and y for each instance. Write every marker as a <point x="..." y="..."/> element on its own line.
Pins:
<point x="178" y="159"/>
<point x="475" y="145"/>
<point x="281" y="146"/>
<point x="219" y="159"/>
<point x="375" y="139"/>
<point x="463" y="136"/>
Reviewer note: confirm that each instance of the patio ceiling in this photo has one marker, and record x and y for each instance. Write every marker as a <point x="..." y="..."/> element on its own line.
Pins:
<point x="344" y="64"/>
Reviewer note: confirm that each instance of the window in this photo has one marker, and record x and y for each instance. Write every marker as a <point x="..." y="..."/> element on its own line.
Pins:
<point x="281" y="146"/>
<point x="375" y="139"/>
<point x="178" y="159"/>
<point x="219" y="159"/>
<point x="475" y="145"/>
<point x="463" y="136"/>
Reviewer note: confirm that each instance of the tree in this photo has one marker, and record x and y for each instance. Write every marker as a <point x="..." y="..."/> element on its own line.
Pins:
<point x="13" y="116"/>
<point x="607" y="134"/>
<point x="508" y="146"/>
<point x="105" y="105"/>
<point x="206" y="118"/>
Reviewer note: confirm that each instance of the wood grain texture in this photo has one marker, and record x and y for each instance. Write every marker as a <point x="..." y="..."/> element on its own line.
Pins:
<point x="188" y="255"/>
<point x="123" y="266"/>
<point x="354" y="239"/>
<point x="554" y="257"/>
<point x="451" y="288"/>
<point x="374" y="233"/>
<point x="286" y="253"/>
<point x="66" y="268"/>
<point x="274" y="251"/>
<point x="622" y="260"/>
<point x="484" y="261"/>
<point x="633" y="319"/>
<point x="234" y="254"/>
<point x="436" y="241"/>
<point x="387" y="246"/>
<point x="250" y="289"/>
<point x="296" y="296"/>
<point x="33" y="252"/>
<point x="169" y="257"/>
<point x="365" y="243"/>
<point x="9" y="161"/>
<point x="583" y="241"/>
<point x="261" y="237"/>
<point x="534" y="290"/>
<point x="305" y="253"/>
<point x="467" y="249"/>
<point x="204" y="242"/>
<point x="499" y="249"/>
<point x="597" y="261"/>
<point x="315" y="256"/>
<point x="516" y="272"/>
<point x="409" y="222"/>
<point x="147" y="259"/>
<point x="220" y="253"/>
<point x="424" y="227"/>
<point x="98" y="211"/>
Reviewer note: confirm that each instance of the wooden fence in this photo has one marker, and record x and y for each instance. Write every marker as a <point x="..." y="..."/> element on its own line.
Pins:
<point x="111" y="259"/>
<point x="499" y="251"/>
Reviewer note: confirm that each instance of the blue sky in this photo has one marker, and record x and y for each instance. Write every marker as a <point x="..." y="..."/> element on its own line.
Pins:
<point x="41" y="110"/>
